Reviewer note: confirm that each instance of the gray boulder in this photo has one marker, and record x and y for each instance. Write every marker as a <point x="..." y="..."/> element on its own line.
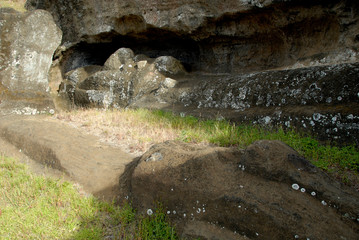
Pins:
<point x="117" y="59"/>
<point x="27" y="43"/>
<point x="169" y="65"/>
<point x="267" y="191"/>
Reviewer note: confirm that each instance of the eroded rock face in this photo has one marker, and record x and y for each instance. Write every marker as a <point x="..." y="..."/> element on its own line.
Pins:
<point x="27" y="43"/>
<point x="214" y="36"/>
<point x="266" y="191"/>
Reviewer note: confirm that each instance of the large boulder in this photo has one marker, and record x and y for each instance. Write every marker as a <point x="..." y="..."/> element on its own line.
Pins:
<point x="119" y="58"/>
<point x="27" y="43"/>
<point x="267" y="191"/>
<point x="124" y="80"/>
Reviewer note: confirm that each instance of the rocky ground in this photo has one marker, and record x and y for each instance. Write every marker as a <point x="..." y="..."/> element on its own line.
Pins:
<point x="266" y="191"/>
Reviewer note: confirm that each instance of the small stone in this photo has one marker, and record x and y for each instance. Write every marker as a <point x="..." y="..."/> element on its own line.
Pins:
<point x="149" y="212"/>
<point x="295" y="186"/>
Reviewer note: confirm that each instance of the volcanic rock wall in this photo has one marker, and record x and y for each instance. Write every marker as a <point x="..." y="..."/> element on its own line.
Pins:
<point x="213" y="36"/>
<point x="248" y="60"/>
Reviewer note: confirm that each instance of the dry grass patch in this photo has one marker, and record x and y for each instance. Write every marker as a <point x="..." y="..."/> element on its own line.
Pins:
<point x="15" y="4"/>
<point x="133" y="130"/>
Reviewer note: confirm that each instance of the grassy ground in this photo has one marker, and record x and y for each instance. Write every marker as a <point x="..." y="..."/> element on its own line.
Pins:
<point x="15" y="4"/>
<point x="140" y="129"/>
<point x="35" y="207"/>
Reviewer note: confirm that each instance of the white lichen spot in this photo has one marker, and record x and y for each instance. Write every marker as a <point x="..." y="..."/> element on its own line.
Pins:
<point x="149" y="212"/>
<point x="184" y="215"/>
<point x="324" y="203"/>
<point x="339" y="98"/>
<point x="302" y="190"/>
<point x="168" y="212"/>
<point x="296" y="236"/>
<point x="312" y="123"/>
<point x="257" y="234"/>
<point x="241" y="186"/>
<point x="199" y="210"/>
<point x="295" y="186"/>
<point x="316" y="116"/>
<point x="313" y="194"/>
<point x="171" y="189"/>
<point x="267" y="120"/>
<point x="329" y="100"/>
<point x="174" y="212"/>
<point x="204" y="210"/>
<point x="239" y="206"/>
<point x="52" y="111"/>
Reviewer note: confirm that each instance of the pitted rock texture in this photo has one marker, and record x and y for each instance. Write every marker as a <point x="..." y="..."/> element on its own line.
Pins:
<point x="266" y="191"/>
<point x="27" y="44"/>
<point x="213" y="36"/>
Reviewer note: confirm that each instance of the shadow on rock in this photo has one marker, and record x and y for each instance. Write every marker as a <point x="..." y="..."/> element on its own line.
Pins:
<point x="266" y="191"/>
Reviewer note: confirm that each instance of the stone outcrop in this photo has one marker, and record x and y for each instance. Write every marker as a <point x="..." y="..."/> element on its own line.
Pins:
<point x="323" y="100"/>
<point x="266" y="191"/>
<point x="248" y="61"/>
<point x="215" y="36"/>
<point x="27" y="44"/>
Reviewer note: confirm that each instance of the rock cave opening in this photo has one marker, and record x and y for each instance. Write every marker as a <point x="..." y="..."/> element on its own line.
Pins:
<point x="96" y="50"/>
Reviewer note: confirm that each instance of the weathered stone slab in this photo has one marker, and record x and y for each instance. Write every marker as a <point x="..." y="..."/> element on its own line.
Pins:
<point x="27" y="43"/>
<point x="94" y="165"/>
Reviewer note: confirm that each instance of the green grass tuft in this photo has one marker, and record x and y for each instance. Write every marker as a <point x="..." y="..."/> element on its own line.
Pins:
<point x="35" y="207"/>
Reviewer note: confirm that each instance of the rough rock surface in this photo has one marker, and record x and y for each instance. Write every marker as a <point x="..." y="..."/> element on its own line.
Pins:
<point x="27" y="44"/>
<point x="266" y="191"/>
<point x="227" y="36"/>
